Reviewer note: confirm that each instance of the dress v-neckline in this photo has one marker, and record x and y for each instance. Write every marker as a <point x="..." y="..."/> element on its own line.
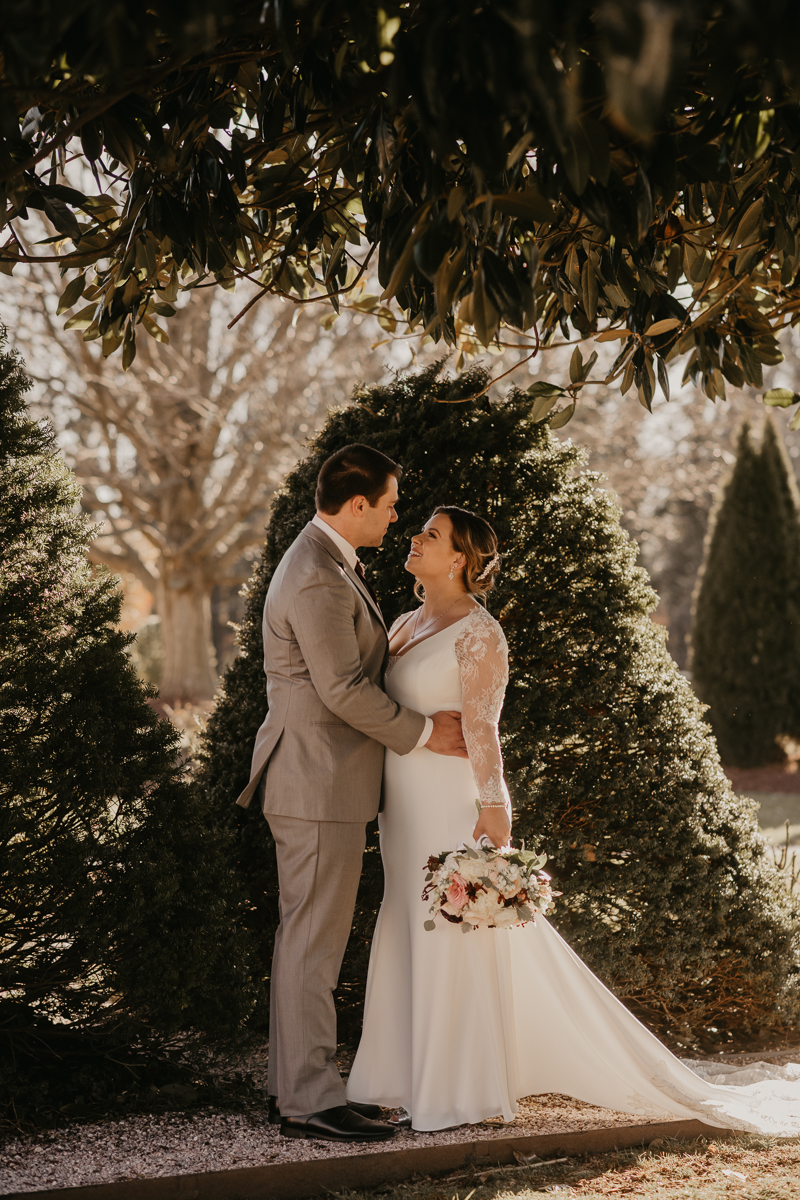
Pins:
<point x="407" y="650"/>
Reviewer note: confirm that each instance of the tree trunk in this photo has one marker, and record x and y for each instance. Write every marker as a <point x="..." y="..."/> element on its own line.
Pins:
<point x="184" y="605"/>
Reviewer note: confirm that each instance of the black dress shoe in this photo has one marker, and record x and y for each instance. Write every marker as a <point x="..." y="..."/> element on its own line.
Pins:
<point x="371" y="1111"/>
<point x="340" y="1124"/>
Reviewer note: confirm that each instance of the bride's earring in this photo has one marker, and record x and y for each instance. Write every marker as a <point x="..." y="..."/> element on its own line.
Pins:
<point x="452" y="572"/>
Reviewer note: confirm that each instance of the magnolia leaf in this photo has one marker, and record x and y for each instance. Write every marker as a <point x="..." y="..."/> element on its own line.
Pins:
<point x="62" y="217"/>
<point x="795" y="421"/>
<point x="334" y="260"/>
<point x="663" y="376"/>
<point x="518" y="150"/>
<point x="613" y="335"/>
<point x="82" y="319"/>
<point x="328" y="320"/>
<point x="662" y="326"/>
<point x="485" y="316"/>
<point x="748" y="224"/>
<point x="541" y="388"/>
<point x="577" y="161"/>
<point x="111" y="342"/>
<point x="10" y="256"/>
<point x="542" y="408"/>
<point x="366" y="304"/>
<point x="589" y="290"/>
<point x="455" y="201"/>
<point x="576" y="366"/>
<point x="155" y="330"/>
<point x="562" y="416"/>
<point x="781" y="398"/>
<point x="404" y="266"/>
<point x="71" y="294"/>
<point x="529" y="205"/>
<point x="128" y="346"/>
<point x="446" y="281"/>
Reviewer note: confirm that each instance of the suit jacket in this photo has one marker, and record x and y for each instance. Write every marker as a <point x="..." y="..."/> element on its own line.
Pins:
<point x="325" y="651"/>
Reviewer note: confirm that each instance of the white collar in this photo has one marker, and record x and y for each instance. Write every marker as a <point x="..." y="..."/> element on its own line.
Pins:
<point x="348" y="551"/>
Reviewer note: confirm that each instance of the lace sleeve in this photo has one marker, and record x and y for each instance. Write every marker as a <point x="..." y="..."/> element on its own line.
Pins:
<point x="482" y="655"/>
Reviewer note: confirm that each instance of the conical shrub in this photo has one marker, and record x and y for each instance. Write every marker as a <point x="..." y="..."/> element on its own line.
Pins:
<point x="115" y="888"/>
<point x="668" y="894"/>
<point x="745" y="658"/>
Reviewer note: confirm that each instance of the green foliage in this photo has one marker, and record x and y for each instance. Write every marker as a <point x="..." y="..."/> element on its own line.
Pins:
<point x="746" y="632"/>
<point x="667" y="892"/>
<point x="622" y="146"/>
<point x="110" y="871"/>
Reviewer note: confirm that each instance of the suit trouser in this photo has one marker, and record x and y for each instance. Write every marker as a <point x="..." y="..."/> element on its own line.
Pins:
<point x="319" y="866"/>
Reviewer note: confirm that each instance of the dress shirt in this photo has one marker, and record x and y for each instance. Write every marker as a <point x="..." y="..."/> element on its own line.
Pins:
<point x="351" y="558"/>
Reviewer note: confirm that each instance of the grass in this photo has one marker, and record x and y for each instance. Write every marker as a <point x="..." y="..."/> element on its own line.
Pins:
<point x="754" y="1168"/>
<point x="775" y="809"/>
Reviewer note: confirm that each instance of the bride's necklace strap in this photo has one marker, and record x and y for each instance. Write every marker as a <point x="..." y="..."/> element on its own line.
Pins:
<point x="430" y="624"/>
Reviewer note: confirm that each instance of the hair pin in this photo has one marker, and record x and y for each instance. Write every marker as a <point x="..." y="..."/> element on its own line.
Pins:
<point x="493" y="562"/>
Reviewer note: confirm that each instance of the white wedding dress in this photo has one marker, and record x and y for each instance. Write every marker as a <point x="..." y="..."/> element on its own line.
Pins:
<point x="458" y="1026"/>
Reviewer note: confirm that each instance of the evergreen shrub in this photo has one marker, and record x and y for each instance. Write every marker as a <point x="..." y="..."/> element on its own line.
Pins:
<point x="668" y="893"/>
<point x="115" y="886"/>
<point x="745" y="653"/>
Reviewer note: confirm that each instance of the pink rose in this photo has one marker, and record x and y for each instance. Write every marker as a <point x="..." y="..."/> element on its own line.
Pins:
<point x="457" y="893"/>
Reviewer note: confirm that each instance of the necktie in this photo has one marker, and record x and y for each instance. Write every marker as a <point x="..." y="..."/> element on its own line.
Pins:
<point x="360" y="573"/>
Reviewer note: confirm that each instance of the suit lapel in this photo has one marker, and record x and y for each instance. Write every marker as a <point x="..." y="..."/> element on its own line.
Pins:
<point x="317" y="535"/>
<point x="351" y="576"/>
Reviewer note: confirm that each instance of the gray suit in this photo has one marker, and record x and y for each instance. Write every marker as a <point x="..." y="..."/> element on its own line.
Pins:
<point x="317" y="764"/>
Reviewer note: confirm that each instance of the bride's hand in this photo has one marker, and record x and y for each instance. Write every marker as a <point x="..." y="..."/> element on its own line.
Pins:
<point x="495" y="824"/>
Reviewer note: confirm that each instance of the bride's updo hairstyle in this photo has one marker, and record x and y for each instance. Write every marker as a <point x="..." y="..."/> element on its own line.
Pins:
<point x="477" y="541"/>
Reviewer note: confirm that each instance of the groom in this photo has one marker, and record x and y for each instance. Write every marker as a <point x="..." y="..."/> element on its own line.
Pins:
<point x="317" y="767"/>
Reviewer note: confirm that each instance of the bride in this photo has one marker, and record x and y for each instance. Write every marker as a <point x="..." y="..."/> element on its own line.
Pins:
<point x="458" y="1027"/>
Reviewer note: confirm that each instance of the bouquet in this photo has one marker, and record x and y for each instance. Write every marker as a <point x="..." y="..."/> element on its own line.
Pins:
<point x="487" y="886"/>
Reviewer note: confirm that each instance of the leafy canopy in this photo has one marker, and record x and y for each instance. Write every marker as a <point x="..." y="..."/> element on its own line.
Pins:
<point x="629" y="168"/>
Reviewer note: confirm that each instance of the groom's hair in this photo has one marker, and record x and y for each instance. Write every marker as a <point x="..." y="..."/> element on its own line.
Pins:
<point x="354" y="471"/>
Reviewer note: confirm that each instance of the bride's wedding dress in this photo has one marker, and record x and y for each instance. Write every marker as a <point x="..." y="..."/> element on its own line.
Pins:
<point x="458" y="1026"/>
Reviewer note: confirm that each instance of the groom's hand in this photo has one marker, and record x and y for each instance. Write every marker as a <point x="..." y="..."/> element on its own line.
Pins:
<point x="447" y="737"/>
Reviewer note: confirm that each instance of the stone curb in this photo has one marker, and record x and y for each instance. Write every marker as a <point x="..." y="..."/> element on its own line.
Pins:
<point x="296" y="1180"/>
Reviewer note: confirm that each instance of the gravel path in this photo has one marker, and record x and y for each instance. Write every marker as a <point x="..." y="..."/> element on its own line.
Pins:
<point x="176" y="1144"/>
<point x="218" y="1140"/>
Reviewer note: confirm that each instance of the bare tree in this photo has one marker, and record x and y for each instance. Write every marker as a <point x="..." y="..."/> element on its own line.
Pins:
<point x="665" y="468"/>
<point x="180" y="456"/>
